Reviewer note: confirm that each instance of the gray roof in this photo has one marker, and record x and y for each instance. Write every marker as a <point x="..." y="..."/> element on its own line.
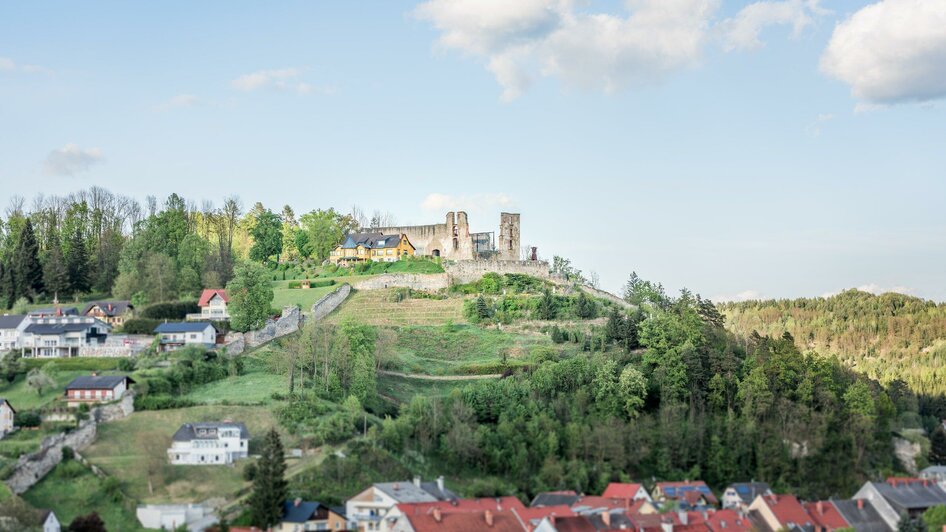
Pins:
<point x="55" y="311"/>
<point x="60" y="328"/>
<point x="97" y="382"/>
<point x="913" y="496"/>
<point x="11" y="321"/>
<point x="406" y="491"/>
<point x="934" y="470"/>
<point x="372" y="240"/>
<point x="554" y="498"/>
<point x="748" y="491"/>
<point x="110" y="308"/>
<point x="188" y="431"/>
<point x="183" y="327"/>
<point x="865" y="519"/>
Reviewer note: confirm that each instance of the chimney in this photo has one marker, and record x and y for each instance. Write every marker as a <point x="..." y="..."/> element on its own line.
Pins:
<point x="820" y="506"/>
<point x="684" y="518"/>
<point x="606" y="518"/>
<point x="417" y="481"/>
<point x="489" y="518"/>
<point x="297" y="502"/>
<point x="440" y="483"/>
<point x="437" y="515"/>
<point x="860" y="504"/>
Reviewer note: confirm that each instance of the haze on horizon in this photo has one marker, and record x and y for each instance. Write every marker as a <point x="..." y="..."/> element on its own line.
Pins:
<point x="736" y="148"/>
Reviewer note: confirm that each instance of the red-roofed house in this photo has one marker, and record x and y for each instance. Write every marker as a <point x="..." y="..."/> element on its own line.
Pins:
<point x="485" y="520"/>
<point x="728" y="521"/>
<point x="531" y="517"/>
<point x="213" y="306"/>
<point x="621" y="490"/>
<point x="779" y="512"/>
<point x="826" y="516"/>
<point x="399" y="517"/>
<point x="575" y="523"/>
<point x="691" y="492"/>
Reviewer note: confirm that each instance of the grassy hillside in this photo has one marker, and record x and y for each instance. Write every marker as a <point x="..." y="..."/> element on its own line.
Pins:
<point x="887" y="336"/>
<point x="380" y="307"/>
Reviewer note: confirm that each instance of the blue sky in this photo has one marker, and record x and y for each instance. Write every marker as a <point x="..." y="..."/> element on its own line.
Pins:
<point x="769" y="149"/>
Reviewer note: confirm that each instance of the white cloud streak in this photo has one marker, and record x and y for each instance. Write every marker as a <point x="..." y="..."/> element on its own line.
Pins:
<point x="284" y="79"/>
<point x="742" y="31"/>
<point x="891" y="51"/>
<point x="442" y="203"/>
<point x="71" y="159"/>
<point x="178" y="102"/>
<point x="745" y="295"/>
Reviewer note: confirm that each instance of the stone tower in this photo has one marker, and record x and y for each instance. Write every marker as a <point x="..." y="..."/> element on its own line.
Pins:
<point x="508" y="244"/>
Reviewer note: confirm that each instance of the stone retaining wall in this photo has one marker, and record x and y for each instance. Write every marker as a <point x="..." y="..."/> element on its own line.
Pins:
<point x="468" y="271"/>
<point x="414" y="281"/>
<point x="289" y="322"/>
<point x="329" y="302"/>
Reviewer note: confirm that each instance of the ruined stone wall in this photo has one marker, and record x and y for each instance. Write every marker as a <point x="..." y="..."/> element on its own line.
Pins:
<point x="470" y="271"/>
<point x="329" y="302"/>
<point x="450" y="240"/>
<point x="509" y="241"/>
<point x="288" y="323"/>
<point x="414" y="281"/>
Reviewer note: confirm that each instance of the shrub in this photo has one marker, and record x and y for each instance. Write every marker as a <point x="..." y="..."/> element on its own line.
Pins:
<point x="249" y="472"/>
<point x="141" y="325"/>
<point x="126" y="364"/>
<point x="27" y="419"/>
<point x="161" y="402"/>
<point x="172" y="310"/>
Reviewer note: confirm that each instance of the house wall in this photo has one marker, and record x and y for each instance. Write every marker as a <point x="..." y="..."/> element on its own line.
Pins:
<point x="359" y="509"/>
<point x="765" y="512"/>
<point x="221" y="451"/>
<point x="6" y="418"/>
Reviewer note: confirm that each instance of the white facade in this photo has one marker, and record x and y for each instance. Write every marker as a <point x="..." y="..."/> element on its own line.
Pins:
<point x="196" y="517"/>
<point x="367" y="510"/>
<point x="6" y="418"/>
<point x="209" y="444"/>
<point x="216" y="309"/>
<point x="173" y="339"/>
<point x="10" y="332"/>
<point x="51" y="523"/>
<point x="60" y="336"/>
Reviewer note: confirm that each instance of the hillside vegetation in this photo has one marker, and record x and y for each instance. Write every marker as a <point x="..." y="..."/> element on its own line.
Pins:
<point x="889" y="336"/>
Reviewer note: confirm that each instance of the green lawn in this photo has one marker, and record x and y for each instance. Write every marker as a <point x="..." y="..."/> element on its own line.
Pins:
<point x="284" y="296"/>
<point x="401" y="390"/>
<point x="23" y="398"/>
<point x="71" y="496"/>
<point x="25" y="441"/>
<point x="134" y="450"/>
<point x="255" y="387"/>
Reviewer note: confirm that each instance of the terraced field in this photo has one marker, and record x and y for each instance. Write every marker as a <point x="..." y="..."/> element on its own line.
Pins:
<point x="378" y="307"/>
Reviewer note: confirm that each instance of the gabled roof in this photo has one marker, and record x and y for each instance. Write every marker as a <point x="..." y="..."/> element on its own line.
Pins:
<point x="183" y="327"/>
<point x="440" y="494"/>
<point x="916" y="496"/>
<point x="534" y="516"/>
<point x="54" y="311"/>
<point x="590" y="503"/>
<point x="862" y="515"/>
<point x="371" y="241"/>
<point x="61" y="328"/>
<point x="11" y="321"/>
<point x="616" y="520"/>
<point x="679" y="490"/>
<point x="98" y="382"/>
<point x="728" y="521"/>
<point x="748" y="491"/>
<point x="622" y="490"/>
<point x="503" y="521"/>
<point x="188" y="431"/>
<point x="934" y="470"/>
<point x="787" y="510"/>
<point x="300" y="512"/>
<point x="109" y="308"/>
<point x="209" y="293"/>
<point x="2" y="400"/>
<point x="554" y="498"/>
<point x="825" y="515"/>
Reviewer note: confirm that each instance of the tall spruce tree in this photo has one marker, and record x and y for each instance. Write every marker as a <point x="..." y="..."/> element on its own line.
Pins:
<point x="6" y="286"/>
<point x="27" y="270"/>
<point x="77" y="263"/>
<point x="55" y="273"/>
<point x="938" y="446"/>
<point x="270" y="488"/>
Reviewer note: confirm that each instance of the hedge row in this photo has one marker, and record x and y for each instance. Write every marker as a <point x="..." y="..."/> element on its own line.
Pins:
<point x="171" y="310"/>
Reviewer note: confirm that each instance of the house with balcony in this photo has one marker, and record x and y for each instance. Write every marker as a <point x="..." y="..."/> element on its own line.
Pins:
<point x="97" y="389"/>
<point x="173" y="336"/>
<point x="368" y="510"/>
<point x="10" y="328"/>
<point x="61" y="337"/>
<point x="209" y="443"/>
<point x="213" y="306"/>
<point x="113" y="313"/>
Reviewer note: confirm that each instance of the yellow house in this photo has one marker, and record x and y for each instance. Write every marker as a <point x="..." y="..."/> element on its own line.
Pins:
<point x="363" y="247"/>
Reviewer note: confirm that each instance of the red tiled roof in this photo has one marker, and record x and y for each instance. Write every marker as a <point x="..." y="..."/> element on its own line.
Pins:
<point x="826" y="515"/>
<point x="692" y="527"/>
<point x="538" y="514"/>
<point x="622" y="490"/>
<point x="728" y="521"/>
<point x="603" y="502"/>
<point x="636" y="506"/>
<point x="463" y="505"/>
<point x="504" y="521"/>
<point x="577" y="523"/>
<point x="649" y="522"/>
<point x="209" y="293"/>
<point x="787" y="509"/>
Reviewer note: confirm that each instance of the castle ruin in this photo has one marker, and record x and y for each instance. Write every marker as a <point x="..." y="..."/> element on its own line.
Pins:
<point x="452" y="240"/>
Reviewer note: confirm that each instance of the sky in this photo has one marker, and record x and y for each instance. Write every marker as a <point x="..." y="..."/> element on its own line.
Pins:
<point x="740" y="149"/>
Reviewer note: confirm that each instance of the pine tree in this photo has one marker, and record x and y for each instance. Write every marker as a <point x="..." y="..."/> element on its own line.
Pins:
<point x="7" y="296"/>
<point x="482" y="308"/>
<point x="77" y="263"/>
<point x="27" y="270"/>
<point x="547" y="308"/>
<point x="269" y="487"/>
<point x="938" y="446"/>
<point x="55" y="273"/>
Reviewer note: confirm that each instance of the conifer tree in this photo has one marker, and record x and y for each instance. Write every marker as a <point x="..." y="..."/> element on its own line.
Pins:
<point x="7" y="296"/>
<point x="269" y="487"/>
<point x="27" y="271"/>
<point x="55" y="273"/>
<point x="938" y="446"/>
<point x="77" y="263"/>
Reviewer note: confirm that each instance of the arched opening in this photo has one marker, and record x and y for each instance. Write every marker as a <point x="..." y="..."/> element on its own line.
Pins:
<point x="436" y="253"/>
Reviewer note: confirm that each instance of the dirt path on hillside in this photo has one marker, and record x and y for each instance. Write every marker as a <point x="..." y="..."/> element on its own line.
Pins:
<point x="421" y="376"/>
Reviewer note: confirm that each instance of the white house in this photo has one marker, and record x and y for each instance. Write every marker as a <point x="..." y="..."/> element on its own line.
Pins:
<point x="213" y="305"/>
<point x="196" y="517"/>
<point x="6" y="417"/>
<point x="10" y="328"/>
<point x="50" y="522"/>
<point x="62" y="336"/>
<point x="368" y="511"/>
<point x="209" y="443"/>
<point x="741" y="494"/>
<point x="176" y="335"/>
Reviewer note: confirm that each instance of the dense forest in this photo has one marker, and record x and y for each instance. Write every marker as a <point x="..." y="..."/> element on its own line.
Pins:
<point x="888" y="336"/>
<point x="683" y="399"/>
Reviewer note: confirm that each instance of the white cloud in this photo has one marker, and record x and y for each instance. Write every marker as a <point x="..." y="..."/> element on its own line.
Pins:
<point x="745" y="295"/>
<point x="7" y="63"/>
<point x="891" y="51"/>
<point x="814" y="128"/>
<point x="742" y="31"/>
<point x="600" y="51"/>
<point x="71" y="159"/>
<point x="178" y="102"/>
<point x="284" y="79"/>
<point x="442" y="203"/>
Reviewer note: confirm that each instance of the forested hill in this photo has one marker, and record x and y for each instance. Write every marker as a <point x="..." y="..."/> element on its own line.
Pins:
<point x="888" y="336"/>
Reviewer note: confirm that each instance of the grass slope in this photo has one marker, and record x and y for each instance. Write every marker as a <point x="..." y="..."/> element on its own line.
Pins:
<point x="23" y="398"/>
<point x="284" y="296"/>
<point x="256" y="385"/>
<point x="377" y="307"/>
